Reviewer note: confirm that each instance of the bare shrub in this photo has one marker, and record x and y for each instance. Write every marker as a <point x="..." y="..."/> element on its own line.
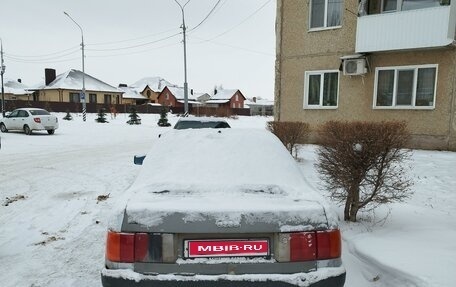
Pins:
<point x="361" y="163"/>
<point x="290" y="133"/>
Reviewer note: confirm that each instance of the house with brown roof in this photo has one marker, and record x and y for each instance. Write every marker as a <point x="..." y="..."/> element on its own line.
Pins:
<point x="150" y="87"/>
<point x="172" y="96"/>
<point x="225" y="98"/>
<point x="369" y="60"/>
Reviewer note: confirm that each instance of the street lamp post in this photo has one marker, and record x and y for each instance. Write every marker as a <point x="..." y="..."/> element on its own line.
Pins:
<point x="83" y="98"/>
<point x="2" y="71"/>
<point x="185" y="57"/>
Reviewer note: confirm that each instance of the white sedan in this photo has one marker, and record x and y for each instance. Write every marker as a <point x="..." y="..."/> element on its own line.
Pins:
<point x="28" y="120"/>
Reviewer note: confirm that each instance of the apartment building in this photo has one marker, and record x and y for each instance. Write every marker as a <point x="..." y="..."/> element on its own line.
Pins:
<point x="369" y="60"/>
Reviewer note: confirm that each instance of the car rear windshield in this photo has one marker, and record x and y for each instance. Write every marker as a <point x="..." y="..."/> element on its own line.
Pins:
<point x="39" y="112"/>
<point x="181" y="125"/>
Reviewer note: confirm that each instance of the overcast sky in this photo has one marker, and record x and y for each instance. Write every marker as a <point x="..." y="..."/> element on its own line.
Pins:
<point x="129" y="40"/>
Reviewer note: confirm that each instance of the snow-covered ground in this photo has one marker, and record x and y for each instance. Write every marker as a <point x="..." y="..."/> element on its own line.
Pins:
<point x="55" y="235"/>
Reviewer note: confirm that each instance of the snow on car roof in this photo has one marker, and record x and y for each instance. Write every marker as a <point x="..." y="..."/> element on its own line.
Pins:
<point x="228" y="175"/>
<point x="231" y="159"/>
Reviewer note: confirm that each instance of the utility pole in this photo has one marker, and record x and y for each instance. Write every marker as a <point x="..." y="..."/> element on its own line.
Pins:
<point x="2" y="71"/>
<point x="83" y="97"/>
<point x="185" y="57"/>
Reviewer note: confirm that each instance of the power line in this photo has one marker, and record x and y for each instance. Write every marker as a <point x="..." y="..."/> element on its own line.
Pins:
<point x="43" y="61"/>
<point x="133" y="53"/>
<point x="207" y="16"/>
<point x="43" y="55"/>
<point x="9" y="56"/>
<point x="135" y="46"/>
<point x="240" y="23"/>
<point x="235" y="47"/>
<point x="131" y="39"/>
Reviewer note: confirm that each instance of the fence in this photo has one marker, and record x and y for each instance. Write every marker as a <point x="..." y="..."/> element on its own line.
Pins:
<point x="123" y="108"/>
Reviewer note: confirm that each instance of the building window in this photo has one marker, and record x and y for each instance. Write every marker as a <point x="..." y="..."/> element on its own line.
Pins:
<point x="325" y="13"/>
<point x="75" y="98"/>
<point x="148" y="93"/>
<point x="405" y="87"/>
<point x="321" y="89"/>
<point x="386" y="6"/>
<point x="237" y="97"/>
<point x="93" y="98"/>
<point x="107" y="99"/>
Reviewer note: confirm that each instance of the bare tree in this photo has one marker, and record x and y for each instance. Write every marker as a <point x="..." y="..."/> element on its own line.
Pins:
<point x="290" y="134"/>
<point x="362" y="163"/>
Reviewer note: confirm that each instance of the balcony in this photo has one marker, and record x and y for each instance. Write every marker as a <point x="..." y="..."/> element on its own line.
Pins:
<point x="403" y="30"/>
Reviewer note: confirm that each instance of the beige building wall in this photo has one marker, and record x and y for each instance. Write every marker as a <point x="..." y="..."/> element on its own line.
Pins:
<point x="299" y="50"/>
<point x="64" y="96"/>
<point x="150" y="94"/>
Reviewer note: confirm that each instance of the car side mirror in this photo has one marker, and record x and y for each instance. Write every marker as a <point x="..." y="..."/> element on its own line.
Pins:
<point x="138" y="159"/>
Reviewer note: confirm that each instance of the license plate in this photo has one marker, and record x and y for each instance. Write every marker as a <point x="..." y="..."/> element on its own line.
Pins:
<point x="226" y="248"/>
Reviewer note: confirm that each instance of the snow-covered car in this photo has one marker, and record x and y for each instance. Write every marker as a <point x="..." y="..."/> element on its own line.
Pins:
<point x="223" y="207"/>
<point x="200" y="123"/>
<point x="29" y="120"/>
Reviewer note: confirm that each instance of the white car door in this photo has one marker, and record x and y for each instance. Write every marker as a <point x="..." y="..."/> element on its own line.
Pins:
<point x="22" y="119"/>
<point x="11" y="120"/>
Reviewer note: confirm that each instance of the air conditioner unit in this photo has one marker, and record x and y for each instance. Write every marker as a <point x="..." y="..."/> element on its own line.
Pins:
<point x="354" y="67"/>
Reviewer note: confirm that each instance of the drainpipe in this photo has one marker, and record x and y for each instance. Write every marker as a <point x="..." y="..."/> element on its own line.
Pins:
<point x="278" y="63"/>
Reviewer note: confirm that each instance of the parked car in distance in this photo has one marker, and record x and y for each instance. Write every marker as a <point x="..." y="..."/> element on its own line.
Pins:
<point x="29" y="120"/>
<point x="200" y="123"/>
<point x="215" y="208"/>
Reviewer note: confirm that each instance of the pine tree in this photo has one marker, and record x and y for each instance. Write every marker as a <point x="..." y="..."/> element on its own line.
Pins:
<point x="101" y="116"/>
<point x="163" y="121"/>
<point x="134" y="118"/>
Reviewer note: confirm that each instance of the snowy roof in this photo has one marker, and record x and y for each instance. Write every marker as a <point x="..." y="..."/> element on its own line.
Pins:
<point x="190" y="102"/>
<point x="259" y="103"/>
<point x="15" y="88"/>
<point x="130" y="93"/>
<point x="223" y="94"/>
<point x="156" y="84"/>
<point x="178" y="93"/>
<point x="72" y="80"/>
<point x="217" y="101"/>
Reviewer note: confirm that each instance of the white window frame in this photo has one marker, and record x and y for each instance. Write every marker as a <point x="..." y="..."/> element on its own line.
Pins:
<point x="306" y="91"/>
<point x="325" y="27"/>
<point x="415" y="77"/>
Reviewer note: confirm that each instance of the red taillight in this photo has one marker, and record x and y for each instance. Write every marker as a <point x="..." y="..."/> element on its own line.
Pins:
<point x="141" y="246"/>
<point x="37" y="120"/>
<point x="303" y="246"/>
<point x="328" y="244"/>
<point x="308" y="246"/>
<point x="127" y="247"/>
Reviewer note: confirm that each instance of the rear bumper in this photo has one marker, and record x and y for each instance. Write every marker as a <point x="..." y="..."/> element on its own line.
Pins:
<point x="323" y="277"/>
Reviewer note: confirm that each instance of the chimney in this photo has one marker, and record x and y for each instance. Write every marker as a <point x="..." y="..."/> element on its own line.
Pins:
<point x="122" y="85"/>
<point x="254" y="99"/>
<point x="19" y="80"/>
<point x="49" y="76"/>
